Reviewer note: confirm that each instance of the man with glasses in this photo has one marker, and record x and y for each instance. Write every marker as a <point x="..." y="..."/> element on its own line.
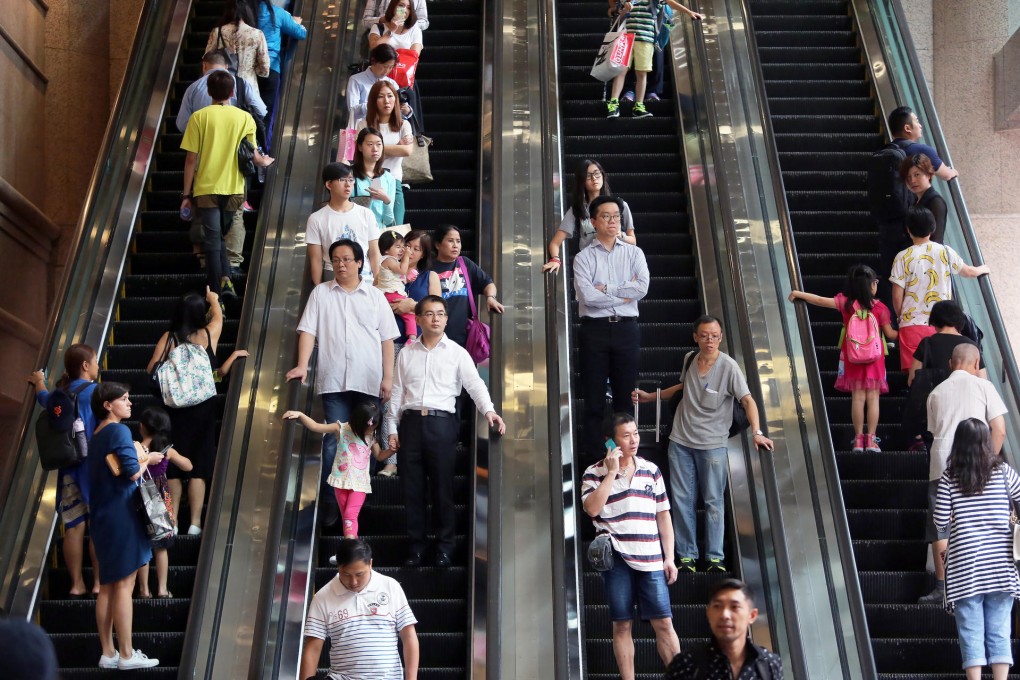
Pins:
<point x="429" y="377"/>
<point x="697" y="444"/>
<point x="341" y="218"/>
<point x="352" y="322"/>
<point x="610" y="276"/>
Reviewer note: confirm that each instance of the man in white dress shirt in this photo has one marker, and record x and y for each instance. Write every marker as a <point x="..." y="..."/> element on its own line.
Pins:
<point x="354" y="327"/>
<point x="429" y="377"/>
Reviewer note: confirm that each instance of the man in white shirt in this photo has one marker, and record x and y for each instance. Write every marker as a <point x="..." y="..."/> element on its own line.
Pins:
<point x="354" y="327"/>
<point x="341" y="218"/>
<point x="964" y="394"/>
<point x="429" y="377"/>
<point x="363" y="613"/>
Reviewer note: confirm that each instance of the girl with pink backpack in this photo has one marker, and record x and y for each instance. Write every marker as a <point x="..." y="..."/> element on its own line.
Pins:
<point x="862" y="349"/>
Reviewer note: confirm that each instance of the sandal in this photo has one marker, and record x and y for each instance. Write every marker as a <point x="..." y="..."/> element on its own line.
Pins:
<point x="167" y="596"/>
<point x="387" y="473"/>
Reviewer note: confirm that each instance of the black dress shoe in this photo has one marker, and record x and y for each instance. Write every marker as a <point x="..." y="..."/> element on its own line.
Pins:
<point x="413" y="560"/>
<point x="442" y="559"/>
<point x="330" y="514"/>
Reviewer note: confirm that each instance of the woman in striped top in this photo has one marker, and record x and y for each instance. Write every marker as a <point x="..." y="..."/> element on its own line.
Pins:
<point x="981" y="580"/>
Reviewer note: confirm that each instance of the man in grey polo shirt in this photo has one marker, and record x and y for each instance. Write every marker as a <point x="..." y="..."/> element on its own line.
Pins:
<point x="697" y="444"/>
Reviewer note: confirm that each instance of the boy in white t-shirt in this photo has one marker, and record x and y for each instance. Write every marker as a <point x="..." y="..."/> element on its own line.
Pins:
<point x="364" y="614"/>
<point x="922" y="276"/>
<point x="338" y="219"/>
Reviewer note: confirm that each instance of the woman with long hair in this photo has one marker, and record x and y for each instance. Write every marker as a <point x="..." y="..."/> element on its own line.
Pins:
<point x="447" y="264"/>
<point x="974" y="499"/>
<point x="193" y="427"/>
<point x="276" y="23"/>
<point x="383" y="114"/>
<point x="238" y="35"/>
<point x="81" y="370"/>
<point x="590" y="182"/>
<point x="916" y="172"/>
<point x="374" y="186"/>
<point x="122" y="546"/>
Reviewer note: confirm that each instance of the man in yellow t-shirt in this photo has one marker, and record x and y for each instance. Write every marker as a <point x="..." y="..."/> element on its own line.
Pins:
<point x="216" y="188"/>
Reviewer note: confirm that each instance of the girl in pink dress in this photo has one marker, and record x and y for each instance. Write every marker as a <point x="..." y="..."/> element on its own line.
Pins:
<point x="864" y="382"/>
<point x="355" y="445"/>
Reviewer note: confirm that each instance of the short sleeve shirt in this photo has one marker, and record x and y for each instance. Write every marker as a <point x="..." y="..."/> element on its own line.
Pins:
<point x="350" y="328"/>
<point x="402" y="41"/>
<point x="703" y="419"/>
<point x="569" y="223"/>
<point x="924" y="272"/>
<point x="958" y="397"/>
<point x="395" y="164"/>
<point x="214" y="133"/>
<point x="362" y="627"/>
<point x="327" y="226"/>
<point x="629" y="513"/>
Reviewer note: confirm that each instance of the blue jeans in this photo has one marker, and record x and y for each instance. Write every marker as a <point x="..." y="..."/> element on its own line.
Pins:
<point x="691" y="471"/>
<point x="982" y="622"/>
<point x="337" y="406"/>
<point x="625" y="585"/>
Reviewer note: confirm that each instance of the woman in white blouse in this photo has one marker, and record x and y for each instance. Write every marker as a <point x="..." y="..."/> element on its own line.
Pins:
<point x="399" y="28"/>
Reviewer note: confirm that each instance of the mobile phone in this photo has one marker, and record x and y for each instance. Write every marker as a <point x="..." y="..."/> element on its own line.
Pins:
<point x="165" y="449"/>
<point x="610" y="445"/>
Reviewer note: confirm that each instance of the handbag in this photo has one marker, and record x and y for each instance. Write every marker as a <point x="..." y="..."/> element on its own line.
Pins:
<point x="738" y="420"/>
<point x="222" y="46"/>
<point x="345" y="150"/>
<point x="246" y="159"/>
<point x="186" y="377"/>
<point x="600" y="553"/>
<point x="156" y="519"/>
<point x="403" y="70"/>
<point x="479" y="334"/>
<point x="416" y="167"/>
<point x="614" y="54"/>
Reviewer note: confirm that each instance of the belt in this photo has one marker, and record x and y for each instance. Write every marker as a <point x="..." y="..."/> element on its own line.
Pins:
<point x="425" y="412"/>
<point x="609" y="319"/>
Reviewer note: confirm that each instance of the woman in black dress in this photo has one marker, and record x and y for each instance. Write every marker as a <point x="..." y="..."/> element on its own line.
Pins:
<point x="916" y="173"/>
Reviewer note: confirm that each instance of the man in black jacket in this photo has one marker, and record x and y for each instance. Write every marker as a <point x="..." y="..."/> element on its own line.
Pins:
<point x="730" y="655"/>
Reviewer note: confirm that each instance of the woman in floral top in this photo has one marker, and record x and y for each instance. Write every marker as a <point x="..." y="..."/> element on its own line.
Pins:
<point x="238" y="36"/>
<point x="350" y="477"/>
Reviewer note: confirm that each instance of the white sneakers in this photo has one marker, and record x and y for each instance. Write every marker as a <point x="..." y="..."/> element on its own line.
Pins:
<point x="137" y="660"/>
<point x="108" y="662"/>
<point x="194" y="531"/>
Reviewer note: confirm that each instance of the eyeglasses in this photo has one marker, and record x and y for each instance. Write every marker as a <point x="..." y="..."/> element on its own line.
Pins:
<point x="342" y="260"/>
<point x="709" y="338"/>
<point x="346" y="180"/>
<point x="434" y="315"/>
<point x="612" y="219"/>
<point x="594" y="175"/>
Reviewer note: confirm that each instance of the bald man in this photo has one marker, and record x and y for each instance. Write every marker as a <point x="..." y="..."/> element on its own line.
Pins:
<point x="964" y="394"/>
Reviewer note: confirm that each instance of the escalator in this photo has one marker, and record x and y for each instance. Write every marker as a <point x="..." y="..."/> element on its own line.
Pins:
<point x="824" y="116"/>
<point x="645" y="166"/>
<point x="450" y="80"/>
<point x="160" y="268"/>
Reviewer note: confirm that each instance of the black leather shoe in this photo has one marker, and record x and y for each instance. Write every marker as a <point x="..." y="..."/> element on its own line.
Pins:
<point x="442" y="559"/>
<point x="413" y="560"/>
<point x="330" y="514"/>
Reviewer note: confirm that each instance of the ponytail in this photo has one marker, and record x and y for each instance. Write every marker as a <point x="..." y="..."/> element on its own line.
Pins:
<point x="74" y="357"/>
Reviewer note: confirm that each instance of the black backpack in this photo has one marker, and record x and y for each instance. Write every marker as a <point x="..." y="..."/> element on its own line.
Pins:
<point x="888" y="196"/>
<point x="61" y="438"/>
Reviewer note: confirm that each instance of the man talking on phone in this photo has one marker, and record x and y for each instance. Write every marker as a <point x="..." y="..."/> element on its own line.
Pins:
<point x="626" y="498"/>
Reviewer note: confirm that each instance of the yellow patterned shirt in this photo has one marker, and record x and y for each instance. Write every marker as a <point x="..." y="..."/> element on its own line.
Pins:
<point x="924" y="272"/>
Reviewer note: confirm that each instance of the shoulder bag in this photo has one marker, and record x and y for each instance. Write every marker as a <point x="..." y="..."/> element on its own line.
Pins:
<point x="416" y="168"/>
<point x="186" y="377"/>
<point x="156" y="518"/>
<point x="600" y="553"/>
<point x="478" y="333"/>
<point x="614" y="54"/>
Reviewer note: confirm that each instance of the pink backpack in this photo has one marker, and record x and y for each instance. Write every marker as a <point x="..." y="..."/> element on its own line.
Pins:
<point x="862" y="339"/>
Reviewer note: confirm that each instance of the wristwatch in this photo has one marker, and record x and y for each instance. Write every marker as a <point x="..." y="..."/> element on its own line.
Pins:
<point x="759" y="433"/>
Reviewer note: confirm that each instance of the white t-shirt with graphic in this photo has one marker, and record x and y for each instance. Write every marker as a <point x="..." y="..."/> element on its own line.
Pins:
<point x="327" y="226"/>
<point x="924" y="272"/>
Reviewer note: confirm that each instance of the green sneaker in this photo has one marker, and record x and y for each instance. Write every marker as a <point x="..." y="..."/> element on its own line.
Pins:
<point x="687" y="564"/>
<point x="613" y="108"/>
<point x="640" y="111"/>
<point x="716" y="565"/>
<point x="227" y="288"/>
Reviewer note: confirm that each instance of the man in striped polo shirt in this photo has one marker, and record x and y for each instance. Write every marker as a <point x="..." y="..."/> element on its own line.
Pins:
<point x="626" y="497"/>
<point x="363" y="613"/>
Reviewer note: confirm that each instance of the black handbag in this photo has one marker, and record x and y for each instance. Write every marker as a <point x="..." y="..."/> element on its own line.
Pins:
<point x="246" y="159"/>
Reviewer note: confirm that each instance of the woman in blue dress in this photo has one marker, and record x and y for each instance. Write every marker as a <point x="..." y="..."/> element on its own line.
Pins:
<point x="117" y="533"/>
<point x="81" y="369"/>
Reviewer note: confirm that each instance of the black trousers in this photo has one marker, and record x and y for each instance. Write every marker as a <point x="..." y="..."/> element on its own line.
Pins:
<point x="268" y="89"/>
<point x="892" y="238"/>
<point x="428" y="449"/>
<point x="608" y="351"/>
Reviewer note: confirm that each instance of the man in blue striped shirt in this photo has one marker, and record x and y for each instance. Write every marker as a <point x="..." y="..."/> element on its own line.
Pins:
<point x="363" y="613"/>
<point x="626" y="498"/>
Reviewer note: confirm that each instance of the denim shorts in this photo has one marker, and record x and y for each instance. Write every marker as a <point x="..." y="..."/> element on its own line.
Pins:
<point x="625" y="586"/>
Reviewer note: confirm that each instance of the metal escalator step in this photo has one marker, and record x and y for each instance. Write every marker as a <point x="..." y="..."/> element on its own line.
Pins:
<point x="897" y="620"/>
<point x="689" y="618"/>
<point x="824" y="160"/>
<point x="802" y="87"/>
<point x="150" y="616"/>
<point x="827" y="200"/>
<point x="895" y="587"/>
<point x="829" y="124"/>
<point x="886" y="466"/>
<point x="881" y="524"/>
<point x="786" y="8"/>
<point x="861" y="142"/>
<point x="813" y="72"/>
<point x="646" y="659"/>
<point x="904" y="553"/>
<point x="824" y="105"/>
<point x="804" y="22"/>
<point x="900" y="494"/>
<point x="835" y="54"/>
<point x="137" y="332"/>
<point x="78" y="649"/>
<point x="801" y="38"/>
<point x="914" y="655"/>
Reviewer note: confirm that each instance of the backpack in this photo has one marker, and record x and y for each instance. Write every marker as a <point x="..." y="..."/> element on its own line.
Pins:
<point x="700" y="659"/>
<point x="888" y="197"/>
<point x="242" y="92"/>
<point x="60" y="431"/>
<point x="862" y="340"/>
<point x="185" y="375"/>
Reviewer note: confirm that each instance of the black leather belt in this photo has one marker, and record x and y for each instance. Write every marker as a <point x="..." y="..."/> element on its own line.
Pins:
<point x="426" y="412"/>
<point x="609" y="319"/>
